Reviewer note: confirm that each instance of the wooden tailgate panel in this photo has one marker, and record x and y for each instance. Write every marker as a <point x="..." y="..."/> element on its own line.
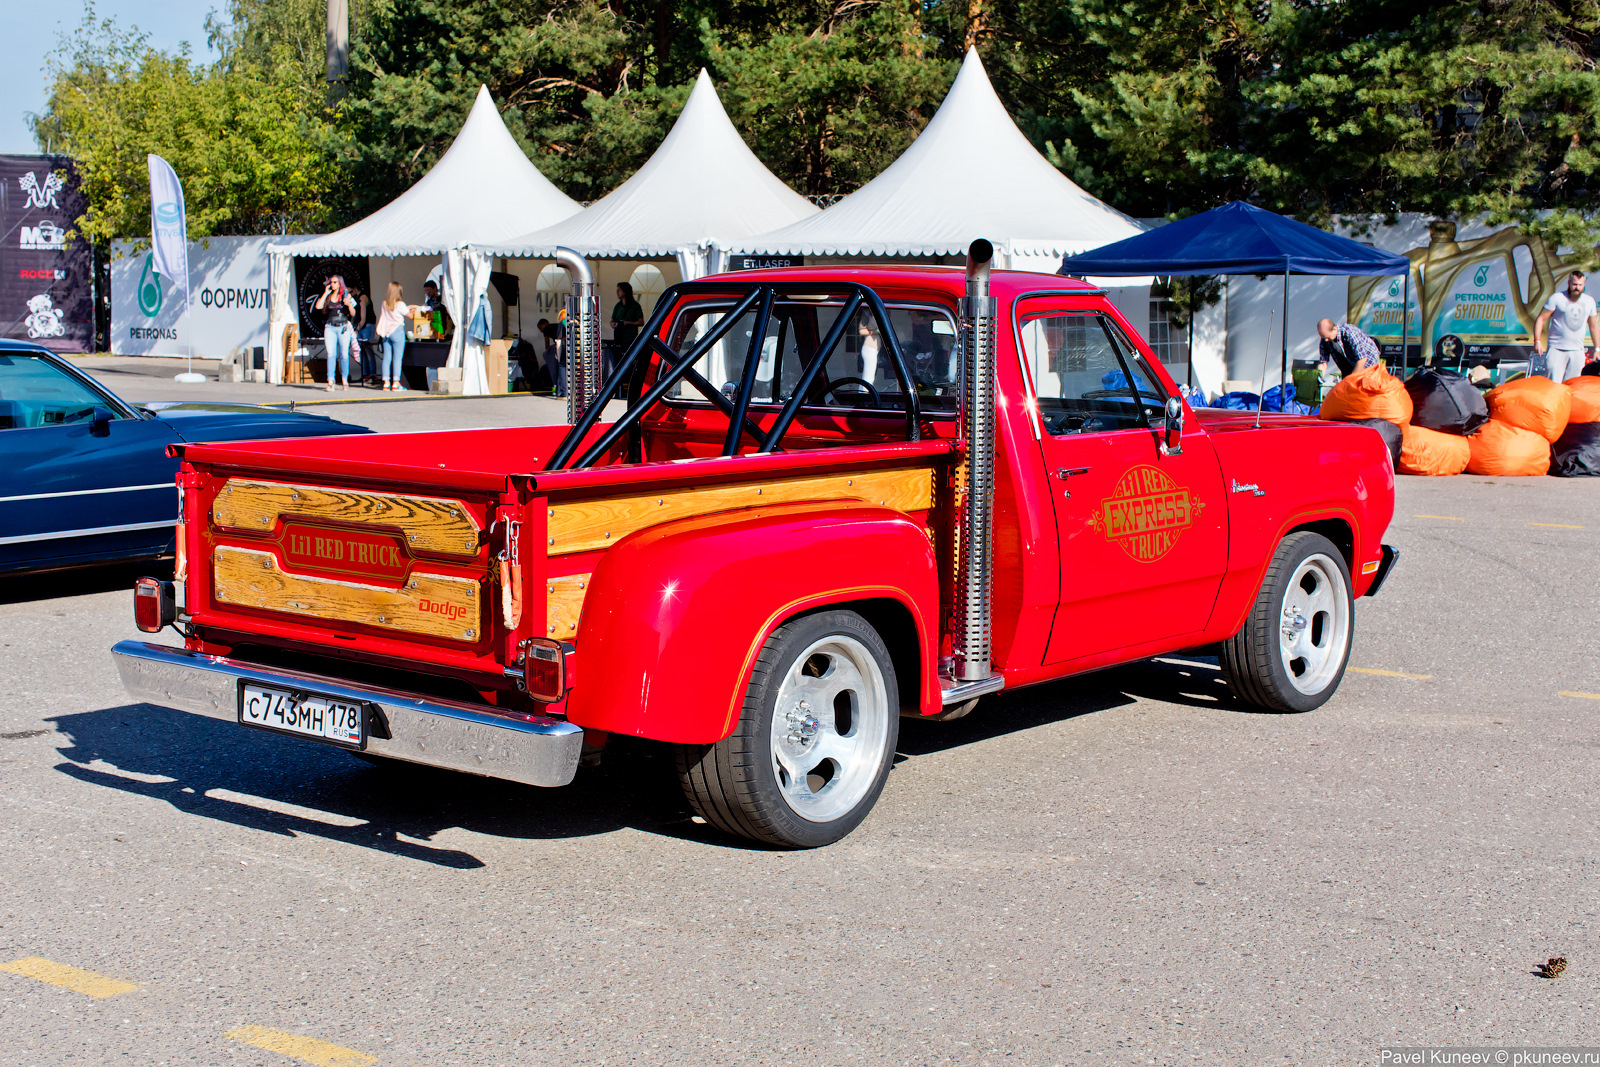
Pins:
<point x="432" y="524"/>
<point x="278" y="564"/>
<point x="437" y="605"/>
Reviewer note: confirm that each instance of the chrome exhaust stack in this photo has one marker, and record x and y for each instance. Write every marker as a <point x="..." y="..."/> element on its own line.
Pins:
<point x="970" y="673"/>
<point x="581" y="344"/>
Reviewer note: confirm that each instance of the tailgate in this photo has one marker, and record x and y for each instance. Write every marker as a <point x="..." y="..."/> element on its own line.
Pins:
<point x="338" y="567"/>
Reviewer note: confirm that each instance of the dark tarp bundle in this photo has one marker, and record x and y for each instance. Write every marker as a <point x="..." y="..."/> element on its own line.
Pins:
<point x="1446" y="401"/>
<point x="1576" y="453"/>
<point x="1389" y="431"/>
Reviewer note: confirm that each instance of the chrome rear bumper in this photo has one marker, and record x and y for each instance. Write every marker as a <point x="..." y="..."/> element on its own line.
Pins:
<point x="477" y="739"/>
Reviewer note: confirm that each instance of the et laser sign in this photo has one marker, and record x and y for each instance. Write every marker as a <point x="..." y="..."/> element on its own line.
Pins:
<point x="227" y="306"/>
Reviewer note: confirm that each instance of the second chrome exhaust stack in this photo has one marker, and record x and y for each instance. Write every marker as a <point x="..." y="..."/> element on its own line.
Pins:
<point x="582" y="341"/>
<point x="970" y="670"/>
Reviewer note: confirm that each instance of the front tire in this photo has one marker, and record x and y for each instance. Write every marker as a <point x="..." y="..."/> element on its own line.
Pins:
<point x="814" y="742"/>
<point x="1295" y="644"/>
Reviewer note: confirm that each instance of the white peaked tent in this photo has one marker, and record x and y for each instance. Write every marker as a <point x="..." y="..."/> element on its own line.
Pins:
<point x="970" y="174"/>
<point x="702" y="186"/>
<point x="482" y="189"/>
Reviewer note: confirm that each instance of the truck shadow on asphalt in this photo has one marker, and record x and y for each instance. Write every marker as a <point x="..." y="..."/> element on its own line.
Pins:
<point x="80" y="581"/>
<point x="294" y="788"/>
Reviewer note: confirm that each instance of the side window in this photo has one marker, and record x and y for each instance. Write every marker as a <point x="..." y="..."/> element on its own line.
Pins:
<point x="1084" y="382"/>
<point x="1150" y="393"/>
<point x="34" y="393"/>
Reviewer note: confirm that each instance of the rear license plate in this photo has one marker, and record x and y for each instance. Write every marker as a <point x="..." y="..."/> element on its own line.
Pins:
<point x="303" y="714"/>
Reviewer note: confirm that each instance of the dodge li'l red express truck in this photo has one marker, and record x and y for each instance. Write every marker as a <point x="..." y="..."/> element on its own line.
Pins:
<point x="835" y="497"/>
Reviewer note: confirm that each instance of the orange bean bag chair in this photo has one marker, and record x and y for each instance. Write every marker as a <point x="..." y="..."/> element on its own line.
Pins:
<point x="1369" y="393"/>
<point x="1536" y="404"/>
<point x="1508" y="451"/>
<point x="1585" y="398"/>
<point x="1424" y="451"/>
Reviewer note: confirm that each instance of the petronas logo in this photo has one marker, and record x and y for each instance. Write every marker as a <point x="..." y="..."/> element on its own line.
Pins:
<point x="149" y="290"/>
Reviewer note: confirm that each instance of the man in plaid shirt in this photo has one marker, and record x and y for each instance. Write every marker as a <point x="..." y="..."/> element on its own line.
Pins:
<point x="1347" y="346"/>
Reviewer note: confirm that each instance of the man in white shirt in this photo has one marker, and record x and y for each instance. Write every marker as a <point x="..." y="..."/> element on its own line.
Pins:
<point x="1569" y="315"/>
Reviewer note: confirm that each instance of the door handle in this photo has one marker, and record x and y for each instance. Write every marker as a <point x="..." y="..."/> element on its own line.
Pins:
<point x="1067" y="472"/>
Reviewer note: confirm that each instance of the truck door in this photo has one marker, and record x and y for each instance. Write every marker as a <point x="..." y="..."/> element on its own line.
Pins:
<point x="1142" y="536"/>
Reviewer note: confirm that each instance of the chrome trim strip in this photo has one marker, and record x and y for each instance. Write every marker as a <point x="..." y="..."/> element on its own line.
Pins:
<point x="57" y="535"/>
<point x="531" y="749"/>
<point x="961" y="692"/>
<point x="87" y="492"/>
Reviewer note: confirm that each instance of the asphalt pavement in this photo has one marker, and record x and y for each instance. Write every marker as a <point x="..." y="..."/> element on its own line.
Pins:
<point x="1125" y="867"/>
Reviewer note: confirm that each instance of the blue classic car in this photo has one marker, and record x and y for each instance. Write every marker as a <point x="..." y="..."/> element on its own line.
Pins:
<point x="85" y="477"/>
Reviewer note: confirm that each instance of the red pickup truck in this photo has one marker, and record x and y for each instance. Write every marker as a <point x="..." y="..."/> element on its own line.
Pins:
<point x="836" y="497"/>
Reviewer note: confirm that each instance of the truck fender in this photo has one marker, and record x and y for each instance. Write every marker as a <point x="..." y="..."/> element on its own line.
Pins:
<point x="676" y="615"/>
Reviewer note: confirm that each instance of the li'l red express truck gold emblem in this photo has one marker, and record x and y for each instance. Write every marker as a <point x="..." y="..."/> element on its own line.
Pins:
<point x="1146" y="513"/>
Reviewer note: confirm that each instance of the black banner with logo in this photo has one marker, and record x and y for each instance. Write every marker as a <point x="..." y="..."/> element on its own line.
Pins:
<point x="46" y="280"/>
<point x="311" y="274"/>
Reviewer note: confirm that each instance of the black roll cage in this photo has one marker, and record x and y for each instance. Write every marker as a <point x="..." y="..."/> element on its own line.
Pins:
<point x="679" y="366"/>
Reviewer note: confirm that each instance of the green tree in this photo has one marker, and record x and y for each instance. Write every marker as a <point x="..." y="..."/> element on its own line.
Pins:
<point x="826" y="93"/>
<point x="251" y="157"/>
<point x="1458" y="108"/>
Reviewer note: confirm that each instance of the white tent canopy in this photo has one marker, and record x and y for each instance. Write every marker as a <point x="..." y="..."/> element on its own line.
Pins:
<point x="482" y="189"/>
<point x="970" y="174"/>
<point x="702" y="186"/>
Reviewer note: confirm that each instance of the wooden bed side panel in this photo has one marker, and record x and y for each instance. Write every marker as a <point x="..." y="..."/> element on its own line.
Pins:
<point x="587" y="525"/>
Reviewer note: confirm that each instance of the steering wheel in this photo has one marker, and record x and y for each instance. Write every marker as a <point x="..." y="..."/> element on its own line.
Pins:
<point x="877" y="401"/>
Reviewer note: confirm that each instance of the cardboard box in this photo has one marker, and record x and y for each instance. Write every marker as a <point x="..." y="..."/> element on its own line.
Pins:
<point x="496" y="358"/>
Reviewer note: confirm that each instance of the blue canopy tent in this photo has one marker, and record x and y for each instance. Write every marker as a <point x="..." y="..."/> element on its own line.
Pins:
<point x="1237" y="238"/>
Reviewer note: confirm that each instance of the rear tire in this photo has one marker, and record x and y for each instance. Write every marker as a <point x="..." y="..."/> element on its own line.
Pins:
<point x="1295" y="644"/>
<point x="814" y="742"/>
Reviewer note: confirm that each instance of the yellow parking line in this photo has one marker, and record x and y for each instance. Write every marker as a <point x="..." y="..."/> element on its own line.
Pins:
<point x="59" y="974"/>
<point x="305" y="1049"/>
<point x="1583" y="696"/>
<point x="1556" y="525"/>
<point x="1389" y="674"/>
<point x="1452" y="518"/>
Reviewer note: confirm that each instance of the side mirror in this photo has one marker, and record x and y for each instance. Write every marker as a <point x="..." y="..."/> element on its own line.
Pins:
<point x="1172" y="431"/>
<point x="101" y="425"/>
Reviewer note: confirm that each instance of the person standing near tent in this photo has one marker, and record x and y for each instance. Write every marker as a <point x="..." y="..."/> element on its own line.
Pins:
<point x="628" y="317"/>
<point x="1347" y="347"/>
<point x="337" y="333"/>
<point x="392" y="336"/>
<point x="1569" y="316"/>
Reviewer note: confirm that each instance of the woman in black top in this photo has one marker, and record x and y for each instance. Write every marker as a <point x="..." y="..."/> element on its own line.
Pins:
<point x="337" y="333"/>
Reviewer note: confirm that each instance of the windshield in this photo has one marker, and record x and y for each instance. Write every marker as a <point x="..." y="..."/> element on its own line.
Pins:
<point x="34" y="392"/>
<point x="859" y="373"/>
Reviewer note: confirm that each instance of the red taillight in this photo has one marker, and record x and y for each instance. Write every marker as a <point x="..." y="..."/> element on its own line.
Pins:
<point x="155" y="605"/>
<point x="544" y="670"/>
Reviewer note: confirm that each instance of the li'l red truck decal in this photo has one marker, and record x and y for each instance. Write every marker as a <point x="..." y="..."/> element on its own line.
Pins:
<point x="1146" y="513"/>
<point x="308" y="549"/>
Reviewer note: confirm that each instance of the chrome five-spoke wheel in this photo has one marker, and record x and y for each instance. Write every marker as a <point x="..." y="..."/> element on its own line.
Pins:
<point x="815" y="738"/>
<point x="827" y="736"/>
<point x="1291" y="653"/>
<point x="1315" y="628"/>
